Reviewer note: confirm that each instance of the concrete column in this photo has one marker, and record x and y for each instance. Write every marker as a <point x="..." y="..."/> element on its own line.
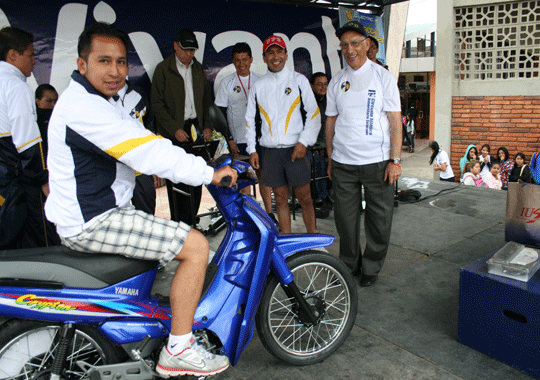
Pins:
<point x="396" y="35"/>
<point x="444" y="62"/>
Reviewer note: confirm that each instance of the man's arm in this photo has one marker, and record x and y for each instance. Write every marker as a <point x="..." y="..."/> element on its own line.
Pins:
<point x="312" y="126"/>
<point x="330" y="132"/>
<point x="25" y="134"/>
<point x="393" y="172"/>
<point x="251" y="133"/>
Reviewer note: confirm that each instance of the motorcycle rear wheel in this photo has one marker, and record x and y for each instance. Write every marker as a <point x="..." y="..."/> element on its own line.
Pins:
<point x="330" y="288"/>
<point x="27" y="350"/>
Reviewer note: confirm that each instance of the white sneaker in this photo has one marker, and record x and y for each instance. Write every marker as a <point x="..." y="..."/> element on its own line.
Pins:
<point x="193" y="360"/>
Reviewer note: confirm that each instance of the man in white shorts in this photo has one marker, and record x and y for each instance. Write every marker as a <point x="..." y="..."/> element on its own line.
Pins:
<point x="95" y="146"/>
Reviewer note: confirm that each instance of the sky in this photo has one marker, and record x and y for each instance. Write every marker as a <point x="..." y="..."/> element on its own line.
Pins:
<point x="422" y="12"/>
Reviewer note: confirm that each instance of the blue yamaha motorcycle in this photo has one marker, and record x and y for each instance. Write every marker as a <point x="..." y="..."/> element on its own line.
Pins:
<point x="71" y="315"/>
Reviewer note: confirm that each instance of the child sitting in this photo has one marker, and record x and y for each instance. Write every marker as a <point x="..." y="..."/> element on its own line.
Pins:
<point x="493" y="178"/>
<point x="521" y="171"/>
<point x="472" y="174"/>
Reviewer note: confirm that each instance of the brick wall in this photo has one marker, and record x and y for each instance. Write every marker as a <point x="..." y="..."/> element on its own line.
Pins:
<point x="510" y="121"/>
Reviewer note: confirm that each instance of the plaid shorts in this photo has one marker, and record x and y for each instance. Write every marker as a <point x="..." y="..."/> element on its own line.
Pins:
<point x="132" y="233"/>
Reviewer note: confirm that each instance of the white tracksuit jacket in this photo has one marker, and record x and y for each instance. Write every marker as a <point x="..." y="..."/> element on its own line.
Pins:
<point x="276" y="96"/>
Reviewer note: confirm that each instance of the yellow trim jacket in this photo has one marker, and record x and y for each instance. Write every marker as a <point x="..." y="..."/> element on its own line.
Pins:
<point x="279" y="98"/>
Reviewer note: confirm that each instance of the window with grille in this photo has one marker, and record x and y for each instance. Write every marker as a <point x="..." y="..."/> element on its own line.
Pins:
<point x="497" y="41"/>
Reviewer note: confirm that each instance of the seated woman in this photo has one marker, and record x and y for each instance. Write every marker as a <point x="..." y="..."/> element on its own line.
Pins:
<point x="507" y="164"/>
<point x="470" y="154"/>
<point x="485" y="159"/>
<point x="521" y="171"/>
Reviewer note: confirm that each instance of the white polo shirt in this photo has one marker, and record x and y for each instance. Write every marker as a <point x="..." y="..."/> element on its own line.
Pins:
<point x="233" y="93"/>
<point x="361" y="99"/>
<point x="442" y="158"/>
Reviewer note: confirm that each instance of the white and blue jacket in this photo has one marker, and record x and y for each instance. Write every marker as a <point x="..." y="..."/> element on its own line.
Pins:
<point x="95" y="146"/>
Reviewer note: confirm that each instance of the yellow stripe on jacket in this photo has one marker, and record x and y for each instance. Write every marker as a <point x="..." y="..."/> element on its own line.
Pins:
<point x="119" y="150"/>
<point x="265" y="114"/>
<point x="291" y="110"/>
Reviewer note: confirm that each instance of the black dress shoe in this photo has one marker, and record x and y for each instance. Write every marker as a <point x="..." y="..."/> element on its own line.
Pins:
<point x="357" y="272"/>
<point x="368" y="280"/>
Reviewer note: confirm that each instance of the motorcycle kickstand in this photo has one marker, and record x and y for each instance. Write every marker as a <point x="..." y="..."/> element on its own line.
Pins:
<point x="66" y="336"/>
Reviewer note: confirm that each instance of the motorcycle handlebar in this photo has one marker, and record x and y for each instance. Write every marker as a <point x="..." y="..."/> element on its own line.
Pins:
<point x="226" y="181"/>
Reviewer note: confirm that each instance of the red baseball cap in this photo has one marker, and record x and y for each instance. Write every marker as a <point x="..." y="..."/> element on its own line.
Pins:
<point x="273" y="40"/>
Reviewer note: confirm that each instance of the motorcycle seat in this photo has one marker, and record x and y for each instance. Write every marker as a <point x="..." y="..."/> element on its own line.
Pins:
<point x="68" y="267"/>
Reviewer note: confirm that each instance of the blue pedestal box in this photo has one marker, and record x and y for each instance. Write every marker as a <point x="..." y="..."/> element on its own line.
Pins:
<point x="500" y="316"/>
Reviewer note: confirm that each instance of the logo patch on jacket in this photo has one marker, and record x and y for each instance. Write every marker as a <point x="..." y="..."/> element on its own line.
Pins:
<point x="288" y="91"/>
<point x="345" y="86"/>
<point x="237" y="89"/>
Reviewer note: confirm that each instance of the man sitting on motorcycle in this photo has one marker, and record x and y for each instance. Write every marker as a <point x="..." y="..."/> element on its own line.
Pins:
<point x="95" y="146"/>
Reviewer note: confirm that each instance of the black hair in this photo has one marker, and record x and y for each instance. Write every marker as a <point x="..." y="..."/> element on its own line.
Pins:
<point x="42" y="88"/>
<point x="486" y="146"/>
<point x="374" y="40"/>
<point x="316" y="75"/>
<point x="506" y="154"/>
<point x="521" y="155"/>
<point x="435" y="146"/>
<point x="494" y="162"/>
<point x="241" y="47"/>
<point x="99" y="29"/>
<point x="469" y="153"/>
<point x="14" y="38"/>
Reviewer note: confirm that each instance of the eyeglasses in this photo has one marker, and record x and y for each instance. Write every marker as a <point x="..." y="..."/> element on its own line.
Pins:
<point x="354" y="44"/>
<point x="321" y="84"/>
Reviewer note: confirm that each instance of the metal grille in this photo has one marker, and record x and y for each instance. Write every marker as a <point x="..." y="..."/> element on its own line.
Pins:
<point x="497" y="41"/>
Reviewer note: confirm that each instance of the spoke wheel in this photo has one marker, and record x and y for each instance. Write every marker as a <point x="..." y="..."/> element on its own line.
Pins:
<point x="27" y="350"/>
<point x="329" y="289"/>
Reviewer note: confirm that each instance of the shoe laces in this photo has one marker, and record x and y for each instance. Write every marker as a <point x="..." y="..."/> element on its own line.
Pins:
<point x="202" y="350"/>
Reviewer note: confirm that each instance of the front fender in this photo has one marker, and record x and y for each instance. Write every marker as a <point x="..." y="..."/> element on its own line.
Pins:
<point x="292" y="243"/>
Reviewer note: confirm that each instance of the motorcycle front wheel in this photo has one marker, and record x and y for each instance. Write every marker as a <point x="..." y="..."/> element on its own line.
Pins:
<point x="28" y="348"/>
<point x="330" y="289"/>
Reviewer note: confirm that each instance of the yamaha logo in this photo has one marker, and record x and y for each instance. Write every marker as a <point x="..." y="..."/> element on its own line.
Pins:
<point x="345" y="86"/>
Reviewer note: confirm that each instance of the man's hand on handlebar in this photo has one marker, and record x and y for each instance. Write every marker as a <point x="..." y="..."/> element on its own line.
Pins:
<point x="223" y="172"/>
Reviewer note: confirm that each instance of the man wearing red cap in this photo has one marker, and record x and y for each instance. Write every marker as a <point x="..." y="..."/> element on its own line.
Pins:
<point x="283" y="117"/>
<point x="363" y="139"/>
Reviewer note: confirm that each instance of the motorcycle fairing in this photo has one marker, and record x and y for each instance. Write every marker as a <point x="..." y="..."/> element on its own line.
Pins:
<point x="129" y="298"/>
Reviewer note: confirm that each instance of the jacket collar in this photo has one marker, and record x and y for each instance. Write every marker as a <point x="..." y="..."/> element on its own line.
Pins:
<point x="284" y="72"/>
<point x="8" y="67"/>
<point x="80" y="79"/>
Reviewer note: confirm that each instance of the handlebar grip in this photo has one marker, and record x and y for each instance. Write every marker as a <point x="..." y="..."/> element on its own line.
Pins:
<point x="226" y="181"/>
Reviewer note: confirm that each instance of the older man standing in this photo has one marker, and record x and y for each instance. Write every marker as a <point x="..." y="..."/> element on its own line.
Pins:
<point x="363" y="138"/>
<point x="181" y="96"/>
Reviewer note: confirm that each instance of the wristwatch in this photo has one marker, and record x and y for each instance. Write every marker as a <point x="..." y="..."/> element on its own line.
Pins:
<point x="395" y="161"/>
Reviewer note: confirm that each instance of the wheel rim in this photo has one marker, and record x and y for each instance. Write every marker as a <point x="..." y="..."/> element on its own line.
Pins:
<point x="30" y="355"/>
<point x="314" y="280"/>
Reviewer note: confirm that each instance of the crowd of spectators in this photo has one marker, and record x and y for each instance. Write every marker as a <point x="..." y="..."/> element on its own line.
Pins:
<point x="494" y="172"/>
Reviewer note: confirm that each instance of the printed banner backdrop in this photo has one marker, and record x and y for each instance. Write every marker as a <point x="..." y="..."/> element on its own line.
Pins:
<point x="373" y="25"/>
<point x="308" y="31"/>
